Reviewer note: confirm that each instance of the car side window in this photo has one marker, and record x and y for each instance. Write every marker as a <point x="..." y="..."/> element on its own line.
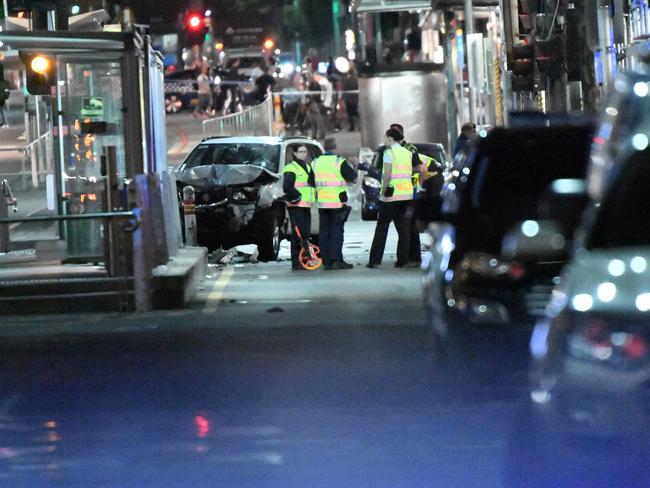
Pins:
<point x="315" y="151"/>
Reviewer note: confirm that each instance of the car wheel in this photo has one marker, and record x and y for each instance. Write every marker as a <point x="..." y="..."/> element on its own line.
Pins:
<point x="365" y="213"/>
<point x="270" y="237"/>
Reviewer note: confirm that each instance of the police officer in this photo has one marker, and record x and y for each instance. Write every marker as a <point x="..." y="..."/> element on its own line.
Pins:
<point x="298" y="186"/>
<point x="331" y="174"/>
<point x="394" y="201"/>
<point x="420" y="174"/>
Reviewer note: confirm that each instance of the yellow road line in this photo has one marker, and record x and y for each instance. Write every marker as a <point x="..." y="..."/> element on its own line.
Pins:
<point x="216" y="294"/>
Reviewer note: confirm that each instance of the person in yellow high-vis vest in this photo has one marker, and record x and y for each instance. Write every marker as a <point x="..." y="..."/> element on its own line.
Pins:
<point x="395" y="200"/>
<point x="419" y="175"/>
<point x="332" y="173"/>
<point x="298" y="185"/>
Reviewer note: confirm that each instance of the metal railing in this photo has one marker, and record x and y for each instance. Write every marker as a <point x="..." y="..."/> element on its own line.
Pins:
<point x="41" y="155"/>
<point x="253" y="121"/>
<point x="40" y="160"/>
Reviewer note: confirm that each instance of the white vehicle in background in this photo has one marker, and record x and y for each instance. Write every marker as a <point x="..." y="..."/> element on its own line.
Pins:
<point x="248" y="61"/>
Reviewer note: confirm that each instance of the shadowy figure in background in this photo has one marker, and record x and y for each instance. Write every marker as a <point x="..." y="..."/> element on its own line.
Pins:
<point x="467" y="134"/>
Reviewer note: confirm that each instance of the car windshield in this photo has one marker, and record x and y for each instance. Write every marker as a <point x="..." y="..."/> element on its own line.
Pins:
<point x="433" y="151"/>
<point x="247" y="62"/>
<point x="265" y="156"/>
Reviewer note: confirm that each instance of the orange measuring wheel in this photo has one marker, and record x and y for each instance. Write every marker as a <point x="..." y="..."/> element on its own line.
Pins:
<point x="311" y="260"/>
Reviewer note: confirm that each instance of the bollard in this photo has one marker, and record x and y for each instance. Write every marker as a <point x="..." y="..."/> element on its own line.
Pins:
<point x="189" y="214"/>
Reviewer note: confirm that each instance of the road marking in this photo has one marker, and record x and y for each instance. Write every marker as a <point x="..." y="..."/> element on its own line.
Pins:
<point x="216" y="294"/>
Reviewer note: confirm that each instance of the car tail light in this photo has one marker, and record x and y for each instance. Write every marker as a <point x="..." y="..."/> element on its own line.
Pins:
<point x="599" y="342"/>
<point x="517" y="270"/>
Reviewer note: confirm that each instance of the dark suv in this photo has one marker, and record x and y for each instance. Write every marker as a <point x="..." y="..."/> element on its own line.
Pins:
<point x="469" y="283"/>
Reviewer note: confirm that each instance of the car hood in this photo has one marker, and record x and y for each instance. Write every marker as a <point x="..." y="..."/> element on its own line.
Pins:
<point x="609" y="281"/>
<point x="226" y="175"/>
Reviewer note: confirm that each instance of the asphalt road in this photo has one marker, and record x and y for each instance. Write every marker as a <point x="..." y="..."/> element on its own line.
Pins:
<point x="272" y="378"/>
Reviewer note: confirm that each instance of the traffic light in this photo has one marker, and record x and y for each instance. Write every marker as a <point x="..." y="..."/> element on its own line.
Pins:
<point x="195" y="28"/>
<point x="40" y="73"/>
<point x="548" y="54"/>
<point x="194" y="22"/>
<point x="523" y="67"/>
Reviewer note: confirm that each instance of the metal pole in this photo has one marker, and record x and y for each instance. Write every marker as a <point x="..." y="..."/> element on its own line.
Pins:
<point x="469" y="29"/>
<point x="142" y="241"/>
<point x="5" y="7"/>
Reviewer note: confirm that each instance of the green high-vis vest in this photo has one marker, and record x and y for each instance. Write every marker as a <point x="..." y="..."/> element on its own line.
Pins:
<point x="329" y="181"/>
<point x="307" y="195"/>
<point x="400" y="176"/>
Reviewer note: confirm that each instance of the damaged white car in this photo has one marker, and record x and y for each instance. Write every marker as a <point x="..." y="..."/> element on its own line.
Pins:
<point x="238" y="184"/>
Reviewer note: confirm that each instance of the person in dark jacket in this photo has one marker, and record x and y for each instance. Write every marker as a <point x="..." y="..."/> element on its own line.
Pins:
<point x="299" y="189"/>
<point x="332" y="173"/>
<point x="467" y="134"/>
<point x="415" y="253"/>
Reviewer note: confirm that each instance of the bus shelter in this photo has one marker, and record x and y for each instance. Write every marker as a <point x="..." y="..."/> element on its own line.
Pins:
<point x="105" y="114"/>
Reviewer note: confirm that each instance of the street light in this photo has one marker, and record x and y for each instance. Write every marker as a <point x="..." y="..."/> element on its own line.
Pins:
<point x="40" y="64"/>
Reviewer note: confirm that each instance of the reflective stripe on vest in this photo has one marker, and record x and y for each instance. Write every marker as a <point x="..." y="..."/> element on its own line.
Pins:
<point x="301" y="184"/>
<point x="400" y="175"/>
<point x="329" y="181"/>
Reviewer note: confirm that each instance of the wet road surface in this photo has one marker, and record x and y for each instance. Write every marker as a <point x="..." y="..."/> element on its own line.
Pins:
<point x="274" y="378"/>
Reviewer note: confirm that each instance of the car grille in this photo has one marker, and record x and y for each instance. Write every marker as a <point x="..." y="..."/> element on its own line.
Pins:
<point x="213" y="194"/>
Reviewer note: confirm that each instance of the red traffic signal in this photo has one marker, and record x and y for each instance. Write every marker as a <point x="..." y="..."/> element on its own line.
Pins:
<point x="194" y="22"/>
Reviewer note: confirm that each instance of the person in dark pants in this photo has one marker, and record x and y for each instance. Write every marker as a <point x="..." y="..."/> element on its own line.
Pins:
<point x="351" y="84"/>
<point x="298" y="185"/>
<point x="415" y="247"/>
<point x="395" y="200"/>
<point x="332" y="174"/>
<point x="415" y="253"/>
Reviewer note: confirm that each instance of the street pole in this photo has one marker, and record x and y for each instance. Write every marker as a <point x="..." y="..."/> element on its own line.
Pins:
<point x="5" y="11"/>
<point x="336" y="20"/>
<point x="296" y="8"/>
<point x="469" y="29"/>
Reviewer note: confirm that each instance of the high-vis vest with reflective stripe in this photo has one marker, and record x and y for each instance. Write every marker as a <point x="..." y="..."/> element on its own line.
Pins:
<point x="400" y="177"/>
<point x="302" y="184"/>
<point x="329" y="181"/>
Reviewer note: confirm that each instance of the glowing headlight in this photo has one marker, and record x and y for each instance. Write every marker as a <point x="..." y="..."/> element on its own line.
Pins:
<point x="371" y="182"/>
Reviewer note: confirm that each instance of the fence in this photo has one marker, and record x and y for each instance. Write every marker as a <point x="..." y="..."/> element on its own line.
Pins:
<point x="253" y="121"/>
<point x="39" y="154"/>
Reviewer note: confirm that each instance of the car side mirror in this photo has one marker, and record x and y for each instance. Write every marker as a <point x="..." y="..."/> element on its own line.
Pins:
<point x="535" y="240"/>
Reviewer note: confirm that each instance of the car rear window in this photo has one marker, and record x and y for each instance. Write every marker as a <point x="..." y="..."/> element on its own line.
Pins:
<point x="622" y="218"/>
<point x="518" y="165"/>
<point x="265" y="156"/>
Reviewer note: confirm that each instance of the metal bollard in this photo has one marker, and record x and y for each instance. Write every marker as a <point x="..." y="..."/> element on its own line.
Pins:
<point x="189" y="214"/>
